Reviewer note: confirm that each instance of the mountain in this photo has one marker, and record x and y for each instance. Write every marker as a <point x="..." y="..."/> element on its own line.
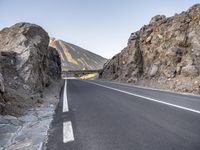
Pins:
<point x="76" y="58"/>
<point x="163" y="54"/>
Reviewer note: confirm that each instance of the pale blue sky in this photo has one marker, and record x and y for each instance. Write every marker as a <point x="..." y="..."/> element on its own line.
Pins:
<point x="101" y="26"/>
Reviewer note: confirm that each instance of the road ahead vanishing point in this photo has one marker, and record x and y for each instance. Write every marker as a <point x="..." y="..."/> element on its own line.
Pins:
<point x="97" y="115"/>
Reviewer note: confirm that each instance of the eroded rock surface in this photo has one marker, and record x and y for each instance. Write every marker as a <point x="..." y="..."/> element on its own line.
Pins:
<point x="27" y="66"/>
<point x="28" y="43"/>
<point x="163" y="54"/>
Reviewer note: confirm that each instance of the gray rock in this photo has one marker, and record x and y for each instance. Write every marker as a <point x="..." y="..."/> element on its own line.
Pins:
<point x="31" y="147"/>
<point x="27" y="65"/>
<point x="9" y="128"/>
<point x="4" y="121"/>
<point x="153" y="70"/>
<point x="16" y="122"/>
<point x="45" y="114"/>
<point x="20" y="145"/>
<point x="30" y="43"/>
<point x="1" y="125"/>
<point x="28" y="118"/>
<point x="2" y="89"/>
<point x="157" y="18"/>
<point x="26" y="87"/>
<point x="167" y="49"/>
<point x="189" y="71"/>
<point x="8" y="117"/>
<point x="148" y="39"/>
<point x="5" y="139"/>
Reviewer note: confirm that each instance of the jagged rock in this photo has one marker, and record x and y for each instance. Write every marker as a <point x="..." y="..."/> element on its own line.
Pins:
<point x="157" y="18"/>
<point x="148" y="39"/>
<point x="29" y="42"/>
<point x="7" y="67"/>
<point x="153" y="70"/>
<point x="178" y="69"/>
<point x="54" y="63"/>
<point x="9" y="117"/>
<point x="2" y="89"/>
<point x="167" y="48"/>
<point x="27" y="65"/>
<point x="189" y="71"/>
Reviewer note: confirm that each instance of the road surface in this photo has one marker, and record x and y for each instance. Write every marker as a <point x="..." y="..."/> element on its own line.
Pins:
<point x="99" y="115"/>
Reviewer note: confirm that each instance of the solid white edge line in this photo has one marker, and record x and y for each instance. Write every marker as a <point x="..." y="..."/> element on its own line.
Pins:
<point x="68" y="134"/>
<point x="148" y="98"/>
<point x="65" y="103"/>
<point x="149" y="88"/>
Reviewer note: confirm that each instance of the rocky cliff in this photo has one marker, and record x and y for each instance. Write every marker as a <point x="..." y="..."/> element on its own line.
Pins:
<point x="76" y="58"/>
<point x="27" y="65"/>
<point x="163" y="54"/>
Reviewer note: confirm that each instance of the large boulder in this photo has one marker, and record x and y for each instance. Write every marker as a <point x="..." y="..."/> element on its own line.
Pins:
<point x="163" y="54"/>
<point x="29" y="42"/>
<point x="27" y="66"/>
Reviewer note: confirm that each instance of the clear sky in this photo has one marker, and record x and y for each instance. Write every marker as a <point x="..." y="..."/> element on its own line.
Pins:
<point x="101" y="26"/>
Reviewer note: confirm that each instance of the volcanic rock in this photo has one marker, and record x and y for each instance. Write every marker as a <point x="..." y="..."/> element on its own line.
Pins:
<point x="27" y="65"/>
<point x="160" y="53"/>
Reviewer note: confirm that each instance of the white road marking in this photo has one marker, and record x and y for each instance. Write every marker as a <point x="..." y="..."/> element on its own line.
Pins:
<point x="65" y="103"/>
<point x="149" y="88"/>
<point x="68" y="134"/>
<point x="148" y="98"/>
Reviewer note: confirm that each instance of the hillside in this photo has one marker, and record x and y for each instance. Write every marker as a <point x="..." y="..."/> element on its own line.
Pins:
<point x="76" y="58"/>
<point x="163" y="54"/>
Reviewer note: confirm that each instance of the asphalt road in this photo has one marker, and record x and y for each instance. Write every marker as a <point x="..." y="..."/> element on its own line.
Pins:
<point x="108" y="116"/>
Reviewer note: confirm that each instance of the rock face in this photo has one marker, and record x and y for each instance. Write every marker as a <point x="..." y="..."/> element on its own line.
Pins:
<point x="54" y="63"/>
<point x="28" y="43"/>
<point x="76" y="58"/>
<point x="26" y="63"/>
<point x="163" y="54"/>
<point x="2" y="89"/>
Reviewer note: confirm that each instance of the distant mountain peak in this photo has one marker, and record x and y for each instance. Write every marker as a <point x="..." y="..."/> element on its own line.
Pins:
<point x="76" y="58"/>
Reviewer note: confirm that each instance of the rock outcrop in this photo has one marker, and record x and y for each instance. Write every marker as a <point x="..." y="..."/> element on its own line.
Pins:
<point x="2" y="89"/>
<point x="27" y="65"/>
<point x="76" y="58"/>
<point x="54" y="63"/>
<point x="164" y="54"/>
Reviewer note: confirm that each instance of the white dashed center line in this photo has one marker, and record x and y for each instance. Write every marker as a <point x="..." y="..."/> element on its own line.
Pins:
<point x="68" y="134"/>
<point x="65" y="103"/>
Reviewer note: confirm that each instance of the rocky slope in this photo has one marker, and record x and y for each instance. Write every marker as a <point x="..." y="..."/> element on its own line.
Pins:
<point x="76" y="58"/>
<point x="163" y="54"/>
<point x="27" y="65"/>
